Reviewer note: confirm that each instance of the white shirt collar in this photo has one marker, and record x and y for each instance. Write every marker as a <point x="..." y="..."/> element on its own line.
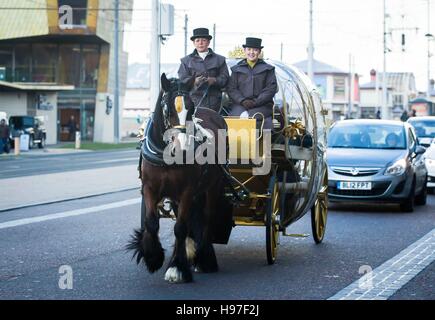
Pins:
<point x="203" y="54"/>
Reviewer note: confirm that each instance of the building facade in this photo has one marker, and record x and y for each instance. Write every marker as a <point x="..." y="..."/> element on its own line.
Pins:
<point x="340" y="94"/>
<point x="138" y="104"/>
<point x="424" y="104"/>
<point x="401" y="91"/>
<point x="371" y="98"/>
<point x="57" y="61"/>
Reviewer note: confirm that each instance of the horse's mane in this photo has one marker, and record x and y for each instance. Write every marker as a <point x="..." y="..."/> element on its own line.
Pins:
<point x="158" y="123"/>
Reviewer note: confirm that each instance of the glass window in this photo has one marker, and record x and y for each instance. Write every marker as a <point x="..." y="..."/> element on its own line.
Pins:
<point x="397" y="100"/>
<point x="423" y="128"/>
<point x="6" y="58"/>
<point x="339" y="87"/>
<point x="69" y="64"/>
<point x="90" y="58"/>
<point x="79" y="10"/>
<point x="44" y="62"/>
<point x="22" y="63"/>
<point x="21" y="122"/>
<point x="366" y="136"/>
<point x="87" y="120"/>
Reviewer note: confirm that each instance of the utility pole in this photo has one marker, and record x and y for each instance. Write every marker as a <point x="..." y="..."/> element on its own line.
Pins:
<point x="384" y="109"/>
<point x="311" y="45"/>
<point x="282" y="49"/>
<point x="428" y="50"/>
<point x="377" y="89"/>
<point x="349" y="110"/>
<point x="116" y="49"/>
<point x="214" y="37"/>
<point x="186" y="20"/>
<point x="155" y="54"/>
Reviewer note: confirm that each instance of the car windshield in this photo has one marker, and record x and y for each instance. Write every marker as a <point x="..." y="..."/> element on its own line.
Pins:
<point x="21" y="122"/>
<point x="366" y="136"/>
<point x="424" y="128"/>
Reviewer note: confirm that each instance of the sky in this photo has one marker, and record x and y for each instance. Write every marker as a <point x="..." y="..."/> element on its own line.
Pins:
<point x="341" y="29"/>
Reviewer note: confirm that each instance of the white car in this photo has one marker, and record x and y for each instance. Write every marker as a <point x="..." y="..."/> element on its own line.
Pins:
<point x="425" y="129"/>
<point x="430" y="165"/>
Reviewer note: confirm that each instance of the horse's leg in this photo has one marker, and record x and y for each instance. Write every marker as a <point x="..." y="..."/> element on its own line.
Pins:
<point x="179" y="267"/>
<point x="145" y="242"/>
<point x="191" y="236"/>
<point x="205" y="256"/>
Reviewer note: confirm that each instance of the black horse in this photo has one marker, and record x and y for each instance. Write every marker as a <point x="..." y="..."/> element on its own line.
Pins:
<point x="195" y="190"/>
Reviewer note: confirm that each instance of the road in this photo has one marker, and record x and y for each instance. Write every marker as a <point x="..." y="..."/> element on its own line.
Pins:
<point x="89" y="235"/>
<point x="40" y="164"/>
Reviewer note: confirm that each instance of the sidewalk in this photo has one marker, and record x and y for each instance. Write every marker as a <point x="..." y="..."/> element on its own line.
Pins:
<point x="32" y="190"/>
<point x="57" y="149"/>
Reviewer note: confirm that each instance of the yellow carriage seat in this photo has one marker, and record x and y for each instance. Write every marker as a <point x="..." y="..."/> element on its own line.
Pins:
<point x="242" y="139"/>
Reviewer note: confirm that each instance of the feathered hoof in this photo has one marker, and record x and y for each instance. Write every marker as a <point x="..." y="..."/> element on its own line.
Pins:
<point x="154" y="260"/>
<point x="173" y="275"/>
<point x="148" y="249"/>
<point x="190" y="250"/>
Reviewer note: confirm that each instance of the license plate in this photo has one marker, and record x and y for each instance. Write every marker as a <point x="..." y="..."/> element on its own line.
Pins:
<point x="348" y="185"/>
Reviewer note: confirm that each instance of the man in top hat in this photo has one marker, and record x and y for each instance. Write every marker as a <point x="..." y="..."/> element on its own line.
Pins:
<point x="204" y="71"/>
<point x="253" y="84"/>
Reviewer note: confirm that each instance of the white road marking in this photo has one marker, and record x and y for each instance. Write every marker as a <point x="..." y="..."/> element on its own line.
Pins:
<point x="116" y="160"/>
<point x="388" y="278"/>
<point x="71" y="213"/>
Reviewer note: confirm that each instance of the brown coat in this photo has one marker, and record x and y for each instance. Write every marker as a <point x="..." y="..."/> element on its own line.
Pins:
<point x="213" y="65"/>
<point x="258" y="84"/>
<point x="4" y="131"/>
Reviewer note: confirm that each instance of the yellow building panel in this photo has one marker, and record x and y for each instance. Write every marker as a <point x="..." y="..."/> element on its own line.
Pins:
<point x="20" y="22"/>
<point x="103" y="72"/>
<point x="92" y="15"/>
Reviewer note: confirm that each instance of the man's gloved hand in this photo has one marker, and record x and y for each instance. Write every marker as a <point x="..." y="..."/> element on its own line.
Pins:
<point x="248" y="103"/>
<point x="244" y="115"/>
<point x="200" y="80"/>
<point x="211" y="81"/>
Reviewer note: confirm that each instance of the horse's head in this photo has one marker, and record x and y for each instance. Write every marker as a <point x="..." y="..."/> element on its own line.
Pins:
<point x="177" y="107"/>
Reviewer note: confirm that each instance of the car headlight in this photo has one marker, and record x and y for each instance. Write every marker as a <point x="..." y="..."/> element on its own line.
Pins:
<point x="398" y="168"/>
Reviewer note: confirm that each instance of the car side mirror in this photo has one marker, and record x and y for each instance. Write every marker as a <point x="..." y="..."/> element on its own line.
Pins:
<point x="419" y="150"/>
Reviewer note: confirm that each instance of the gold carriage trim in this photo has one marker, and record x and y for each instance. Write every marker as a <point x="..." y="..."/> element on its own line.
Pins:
<point x="295" y="129"/>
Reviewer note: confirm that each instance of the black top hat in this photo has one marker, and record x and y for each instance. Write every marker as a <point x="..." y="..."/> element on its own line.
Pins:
<point x="201" y="33"/>
<point x="253" y="43"/>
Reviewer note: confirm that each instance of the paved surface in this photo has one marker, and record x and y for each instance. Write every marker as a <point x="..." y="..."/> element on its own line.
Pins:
<point x="53" y="178"/>
<point x="87" y="236"/>
<point x="62" y="161"/>
<point x="92" y="245"/>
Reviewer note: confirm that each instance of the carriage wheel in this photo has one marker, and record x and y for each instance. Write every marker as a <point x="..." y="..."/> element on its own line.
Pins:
<point x="319" y="212"/>
<point x="272" y="226"/>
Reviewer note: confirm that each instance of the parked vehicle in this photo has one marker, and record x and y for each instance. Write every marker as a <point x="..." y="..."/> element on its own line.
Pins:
<point x="376" y="161"/>
<point x="430" y="166"/>
<point x="425" y="129"/>
<point x="33" y="126"/>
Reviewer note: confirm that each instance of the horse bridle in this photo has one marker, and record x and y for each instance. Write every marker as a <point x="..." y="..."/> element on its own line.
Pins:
<point x="167" y="96"/>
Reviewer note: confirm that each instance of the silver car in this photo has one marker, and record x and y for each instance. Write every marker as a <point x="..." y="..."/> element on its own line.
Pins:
<point x="376" y="161"/>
